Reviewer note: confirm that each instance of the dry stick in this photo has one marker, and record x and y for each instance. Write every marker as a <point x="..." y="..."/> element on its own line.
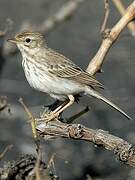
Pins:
<point x="37" y="166"/>
<point x="33" y="125"/>
<point x="30" y="117"/>
<point x="106" y="15"/>
<point x="96" y="63"/>
<point x="119" y="5"/>
<point x="51" y="162"/>
<point x="7" y="148"/>
<point x="123" y="149"/>
<point x="35" y="136"/>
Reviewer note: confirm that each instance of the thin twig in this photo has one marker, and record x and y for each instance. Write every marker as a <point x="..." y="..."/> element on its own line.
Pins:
<point x="106" y="15"/>
<point x="51" y="162"/>
<point x="120" y="6"/>
<point x="97" y="61"/>
<point x="37" y="165"/>
<point x="33" y="125"/>
<point x="7" y="148"/>
<point x="30" y="117"/>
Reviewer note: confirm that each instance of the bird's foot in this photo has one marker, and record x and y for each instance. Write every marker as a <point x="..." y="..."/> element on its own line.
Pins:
<point x="49" y="117"/>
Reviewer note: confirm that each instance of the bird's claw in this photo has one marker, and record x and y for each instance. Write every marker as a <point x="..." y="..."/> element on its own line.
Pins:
<point x="49" y="117"/>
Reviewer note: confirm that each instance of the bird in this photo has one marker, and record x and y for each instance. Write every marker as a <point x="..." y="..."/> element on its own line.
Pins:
<point x="51" y="72"/>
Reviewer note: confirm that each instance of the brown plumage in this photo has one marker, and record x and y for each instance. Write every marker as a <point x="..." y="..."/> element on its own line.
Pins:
<point x="67" y="69"/>
<point x="52" y="73"/>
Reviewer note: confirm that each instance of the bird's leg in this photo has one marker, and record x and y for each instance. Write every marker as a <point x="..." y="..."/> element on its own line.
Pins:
<point x="60" y="109"/>
<point x="52" y="109"/>
<point x="48" y="109"/>
<point x="54" y="105"/>
<point x="69" y="103"/>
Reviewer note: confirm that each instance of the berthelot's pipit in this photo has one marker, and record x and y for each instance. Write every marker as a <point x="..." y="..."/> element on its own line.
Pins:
<point x="52" y="73"/>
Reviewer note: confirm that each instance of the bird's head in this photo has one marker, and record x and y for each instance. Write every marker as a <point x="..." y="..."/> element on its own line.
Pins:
<point x="27" y="41"/>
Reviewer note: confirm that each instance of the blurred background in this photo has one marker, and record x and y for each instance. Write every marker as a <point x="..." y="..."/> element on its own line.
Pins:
<point x="79" y="39"/>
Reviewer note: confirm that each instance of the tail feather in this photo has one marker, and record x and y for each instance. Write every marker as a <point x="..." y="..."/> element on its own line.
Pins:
<point x="96" y="94"/>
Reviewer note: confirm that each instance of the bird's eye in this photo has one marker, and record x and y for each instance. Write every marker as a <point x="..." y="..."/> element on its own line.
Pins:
<point x="27" y="40"/>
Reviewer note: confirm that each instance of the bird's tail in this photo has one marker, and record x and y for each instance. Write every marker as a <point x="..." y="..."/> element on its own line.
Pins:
<point x="96" y="94"/>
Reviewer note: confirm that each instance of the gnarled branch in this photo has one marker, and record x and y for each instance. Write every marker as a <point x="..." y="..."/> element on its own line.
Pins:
<point x="124" y="150"/>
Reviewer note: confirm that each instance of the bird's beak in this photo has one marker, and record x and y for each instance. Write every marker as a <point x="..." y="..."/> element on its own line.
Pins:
<point x="13" y="40"/>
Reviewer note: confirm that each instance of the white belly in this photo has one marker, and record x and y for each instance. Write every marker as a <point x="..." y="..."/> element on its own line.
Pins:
<point x="50" y="84"/>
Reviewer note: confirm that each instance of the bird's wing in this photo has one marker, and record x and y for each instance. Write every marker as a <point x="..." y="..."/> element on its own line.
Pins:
<point x="62" y="67"/>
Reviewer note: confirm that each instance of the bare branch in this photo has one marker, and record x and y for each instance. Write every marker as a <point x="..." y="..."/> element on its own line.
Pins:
<point x="31" y="118"/>
<point x="120" y="147"/>
<point x="33" y="126"/>
<point x="55" y="128"/>
<point x="106" y="15"/>
<point x="119" y="5"/>
<point x="7" y="148"/>
<point x="96" y="63"/>
<point x="37" y="166"/>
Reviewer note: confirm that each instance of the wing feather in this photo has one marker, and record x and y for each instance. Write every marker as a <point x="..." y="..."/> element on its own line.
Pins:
<point x="62" y="67"/>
